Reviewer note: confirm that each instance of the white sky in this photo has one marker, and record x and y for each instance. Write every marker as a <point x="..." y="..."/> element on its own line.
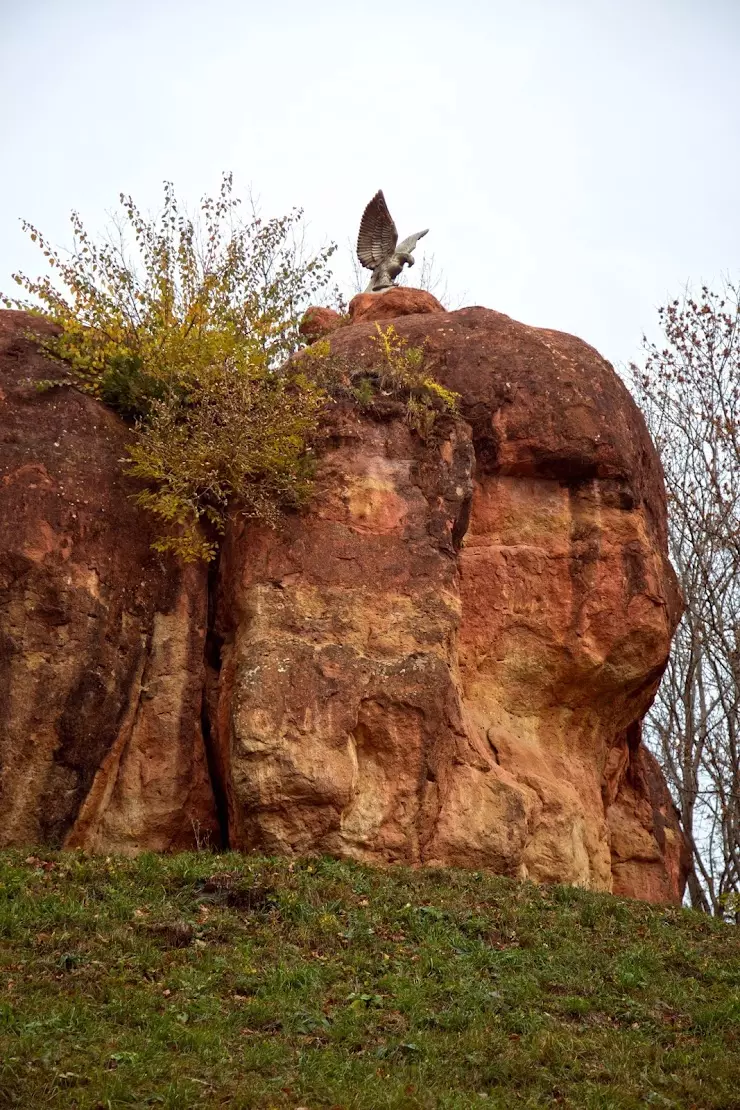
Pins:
<point x="577" y="161"/>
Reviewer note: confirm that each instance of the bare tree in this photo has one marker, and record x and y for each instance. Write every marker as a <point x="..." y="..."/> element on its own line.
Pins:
<point x="689" y="389"/>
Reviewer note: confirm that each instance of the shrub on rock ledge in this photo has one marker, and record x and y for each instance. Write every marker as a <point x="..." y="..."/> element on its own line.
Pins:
<point x="181" y="324"/>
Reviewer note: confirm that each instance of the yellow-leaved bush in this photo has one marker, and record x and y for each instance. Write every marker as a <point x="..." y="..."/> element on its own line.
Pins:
<point x="185" y="326"/>
<point x="400" y="371"/>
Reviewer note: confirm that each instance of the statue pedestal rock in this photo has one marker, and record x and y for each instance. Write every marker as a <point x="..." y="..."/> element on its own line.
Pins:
<point x="445" y="660"/>
<point x="394" y="302"/>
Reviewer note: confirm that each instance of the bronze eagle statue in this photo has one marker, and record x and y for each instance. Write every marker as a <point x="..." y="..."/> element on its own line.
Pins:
<point x="377" y="249"/>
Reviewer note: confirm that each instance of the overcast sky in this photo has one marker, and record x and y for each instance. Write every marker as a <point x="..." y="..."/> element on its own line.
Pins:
<point x="577" y="161"/>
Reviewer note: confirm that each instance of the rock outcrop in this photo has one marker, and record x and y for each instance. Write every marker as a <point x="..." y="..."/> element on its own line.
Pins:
<point x="318" y="322"/>
<point x="444" y="661"/>
<point x="101" y="644"/>
<point x="395" y="302"/>
<point x="441" y="663"/>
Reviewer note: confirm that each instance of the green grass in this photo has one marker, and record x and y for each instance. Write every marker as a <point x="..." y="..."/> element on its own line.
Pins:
<point x="229" y="981"/>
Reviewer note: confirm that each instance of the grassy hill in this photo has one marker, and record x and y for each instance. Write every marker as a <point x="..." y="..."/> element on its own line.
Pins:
<point x="226" y="981"/>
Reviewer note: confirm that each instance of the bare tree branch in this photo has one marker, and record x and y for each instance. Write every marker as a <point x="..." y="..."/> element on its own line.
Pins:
<point x="689" y="390"/>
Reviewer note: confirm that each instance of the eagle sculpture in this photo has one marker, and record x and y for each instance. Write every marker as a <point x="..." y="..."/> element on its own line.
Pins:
<point x="376" y="245"/>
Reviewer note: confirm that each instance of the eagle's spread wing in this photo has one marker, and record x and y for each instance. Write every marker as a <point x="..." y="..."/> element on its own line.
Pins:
<point x="378" y="236"/>
<point x="408" y="245"/>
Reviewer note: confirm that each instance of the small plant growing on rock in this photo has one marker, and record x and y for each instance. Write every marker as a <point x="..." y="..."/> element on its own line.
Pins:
<point x="401" y="374"/>
<point x="396" y="372"/>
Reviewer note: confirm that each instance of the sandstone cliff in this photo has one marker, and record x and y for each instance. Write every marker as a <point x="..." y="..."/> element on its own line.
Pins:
<point x="101" y="644"/>
<point x="444" y="661"/>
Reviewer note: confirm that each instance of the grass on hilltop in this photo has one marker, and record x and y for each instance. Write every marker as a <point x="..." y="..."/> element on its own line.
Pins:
<point x="229" y="981"/>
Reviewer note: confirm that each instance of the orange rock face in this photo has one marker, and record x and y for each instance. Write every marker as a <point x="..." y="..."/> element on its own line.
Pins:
<point x="337" y="705"/>
<point x="318" y="322"/>
<point x="445" y="660"/>
<point x="101" y="656"/>
<point x="399" y="301"/>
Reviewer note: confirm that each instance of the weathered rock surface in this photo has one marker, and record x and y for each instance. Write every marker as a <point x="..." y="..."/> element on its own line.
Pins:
<point x="650" y="858"/>
<point x="318" y="322"/>
<point x="101" y="644"/>
<point x="445" y="660"/>
<point x="398" y="301"/>
<point x="337" y="704"/>
<point x="388" y="695"/>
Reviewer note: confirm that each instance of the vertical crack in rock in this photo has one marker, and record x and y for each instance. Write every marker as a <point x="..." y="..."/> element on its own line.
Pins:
<point x="102" y="664"/>
<point x="212" y="661"/>
<point x="154" y="791"/>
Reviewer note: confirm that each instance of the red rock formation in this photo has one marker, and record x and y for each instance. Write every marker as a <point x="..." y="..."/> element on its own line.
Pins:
<point x="388" y="696"/>
<point x="336" y="699"/>
<point x="444" y="661"/>
<point x="101" y="655"/>
<point x="650" y="857"/>
<point x="398" y="301"/>
<point x="318" y="322"/>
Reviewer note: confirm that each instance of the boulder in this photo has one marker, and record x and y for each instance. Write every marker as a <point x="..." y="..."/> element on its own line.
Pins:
<point x="442" y="661"/>
<point x="318" y="322"/>
<point x="101" y="648"/>
<point x="397" y="301"/>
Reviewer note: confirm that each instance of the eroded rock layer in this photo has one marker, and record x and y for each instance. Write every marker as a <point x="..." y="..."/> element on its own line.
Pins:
<point x="337" y="704"/>
<point x="101" y="644"/>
